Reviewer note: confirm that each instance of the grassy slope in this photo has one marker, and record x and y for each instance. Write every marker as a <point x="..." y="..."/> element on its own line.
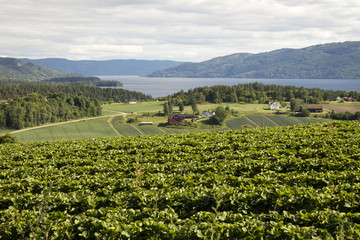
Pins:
<point x="76" y="130"/>
<point x="138" y="107"/>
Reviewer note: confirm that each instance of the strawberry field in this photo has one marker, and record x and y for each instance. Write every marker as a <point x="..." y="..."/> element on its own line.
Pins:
<point x="298" y="182"/>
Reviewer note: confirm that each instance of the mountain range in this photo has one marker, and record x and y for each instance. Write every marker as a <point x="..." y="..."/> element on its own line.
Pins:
<point x="106" y="67"/>
<point x="12" y="68"/>
<point x="325" y="61"/>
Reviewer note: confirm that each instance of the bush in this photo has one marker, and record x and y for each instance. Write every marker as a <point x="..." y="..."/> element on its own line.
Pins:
<point x="304" y="113"/>
<point x="220" y="116"/>
<point x="132" y="120"/>
<point x="344" y="115"/>
<point x="7" y="138"/>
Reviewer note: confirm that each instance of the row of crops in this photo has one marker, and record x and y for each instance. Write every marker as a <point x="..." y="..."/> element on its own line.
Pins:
<point x="249" y="121"/>
<point x="293" y="182"/>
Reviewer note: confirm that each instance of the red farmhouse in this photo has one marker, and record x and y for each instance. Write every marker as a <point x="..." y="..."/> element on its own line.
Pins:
<point x="179" y="118"/>
<point x="346" y="99"/>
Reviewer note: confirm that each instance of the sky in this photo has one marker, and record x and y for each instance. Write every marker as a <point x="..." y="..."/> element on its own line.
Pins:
<point x="181" y="30"/>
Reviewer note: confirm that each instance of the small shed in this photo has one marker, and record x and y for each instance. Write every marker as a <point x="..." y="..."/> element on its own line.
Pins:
<point x="179" y="118"/>
<point x="3" y="101"/>
<point x="146" y="123"/>
<point x="274" y="105"/>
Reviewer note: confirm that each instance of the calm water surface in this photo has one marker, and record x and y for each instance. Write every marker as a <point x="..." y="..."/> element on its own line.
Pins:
<point x="160" y="87"/>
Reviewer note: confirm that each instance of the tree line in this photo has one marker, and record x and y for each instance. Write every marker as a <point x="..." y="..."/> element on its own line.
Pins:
<point x="258" y="93"/>
<point x="82" y="81"/>
<point x="36" y="109"/>
<point x="10" y="91"/>
<point x="344" y="115"/>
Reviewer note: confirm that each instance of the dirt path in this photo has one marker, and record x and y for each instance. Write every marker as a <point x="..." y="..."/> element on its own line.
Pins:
<point x="111" y="125"/>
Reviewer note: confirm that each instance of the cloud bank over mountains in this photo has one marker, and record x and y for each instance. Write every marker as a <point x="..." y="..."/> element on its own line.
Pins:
<point x="185" y="30"/>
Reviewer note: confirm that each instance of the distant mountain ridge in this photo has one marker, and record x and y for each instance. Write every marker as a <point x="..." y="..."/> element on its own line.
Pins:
<point x="325" y="61"/>
<point x="106" y="67"/>
<point x="12" y="68"/>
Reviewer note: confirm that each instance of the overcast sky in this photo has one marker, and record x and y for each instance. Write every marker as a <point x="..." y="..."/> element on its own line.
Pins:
<point x="184" y="30"/>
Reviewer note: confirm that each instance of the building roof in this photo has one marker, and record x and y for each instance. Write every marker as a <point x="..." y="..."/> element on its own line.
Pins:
<point x="311" y="106"/>
<point x="183" y="115"/>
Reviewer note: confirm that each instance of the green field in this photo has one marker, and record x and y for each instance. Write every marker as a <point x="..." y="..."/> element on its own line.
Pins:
<point x="248" y="116"/>
<point x="158" y="106"/>
<point x="251" y="121"/>
<point x="101" y="128"/>
<point x="262" y="121"/>
<point x="76" y="130"/>
<point x="239" y="107"/>
<point x="127" y="130"/>
<point x="240" y="123"/>
<point x="150" y="130"/>
<point x="130" y="108"/>
<point x="3" y="131"/>
<point x="297" y="182"/>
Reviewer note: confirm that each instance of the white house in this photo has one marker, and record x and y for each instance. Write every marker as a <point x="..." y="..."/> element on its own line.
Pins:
<point x="207" y="114"/>
<point x="274" y="105"/>
<point x="130" y="101"/>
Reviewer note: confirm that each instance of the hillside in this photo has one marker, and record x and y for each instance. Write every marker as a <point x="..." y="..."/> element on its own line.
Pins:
<point x="326" y="61"/>
<point x="108" y="67"/>
<point x="299" y="182"/>
<point x="11" y="68"/>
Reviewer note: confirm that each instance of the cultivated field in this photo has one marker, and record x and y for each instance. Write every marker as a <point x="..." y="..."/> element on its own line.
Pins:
<point x="251" y="121"/>
<point x="249" y="116"/>
<point x="298" y="182"/>
<point x="76" y="130"/>
<point x="131" y="108"/>
<point x="241" y="108"/>
<point x="114" y="108"/>
<point x="346" y="107"/>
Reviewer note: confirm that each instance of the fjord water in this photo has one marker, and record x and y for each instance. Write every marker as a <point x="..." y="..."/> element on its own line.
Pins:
<point x="160" y="87"/>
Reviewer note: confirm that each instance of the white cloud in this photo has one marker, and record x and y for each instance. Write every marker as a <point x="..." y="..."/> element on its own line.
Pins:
<point x="188" y="30"/>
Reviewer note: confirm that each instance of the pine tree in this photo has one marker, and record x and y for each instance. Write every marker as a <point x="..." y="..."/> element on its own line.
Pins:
<point x="193" y="105"/>
<point x="170" y="107"/>
<point x="166" y="109"/>
<point x="181" y="106"/>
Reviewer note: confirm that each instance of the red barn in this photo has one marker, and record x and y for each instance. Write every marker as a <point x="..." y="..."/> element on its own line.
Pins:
<point x="179" y="118"/>
<point x="312" y="108"/>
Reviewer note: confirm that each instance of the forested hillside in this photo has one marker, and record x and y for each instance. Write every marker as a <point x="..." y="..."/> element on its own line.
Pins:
<point x="258" y="93"/>
<point x="106" y="67"/>
<point x="32" y="104"/>
<point x="35" y="109"/>
<point x="21" y="89"/>
<point x="326" y="61"/>
<point x="300" y="182"/>
<point x="11" y="68"/>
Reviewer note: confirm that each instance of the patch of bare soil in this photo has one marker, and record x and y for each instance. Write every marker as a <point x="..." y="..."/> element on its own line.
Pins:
<point x="351" y="107"/>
